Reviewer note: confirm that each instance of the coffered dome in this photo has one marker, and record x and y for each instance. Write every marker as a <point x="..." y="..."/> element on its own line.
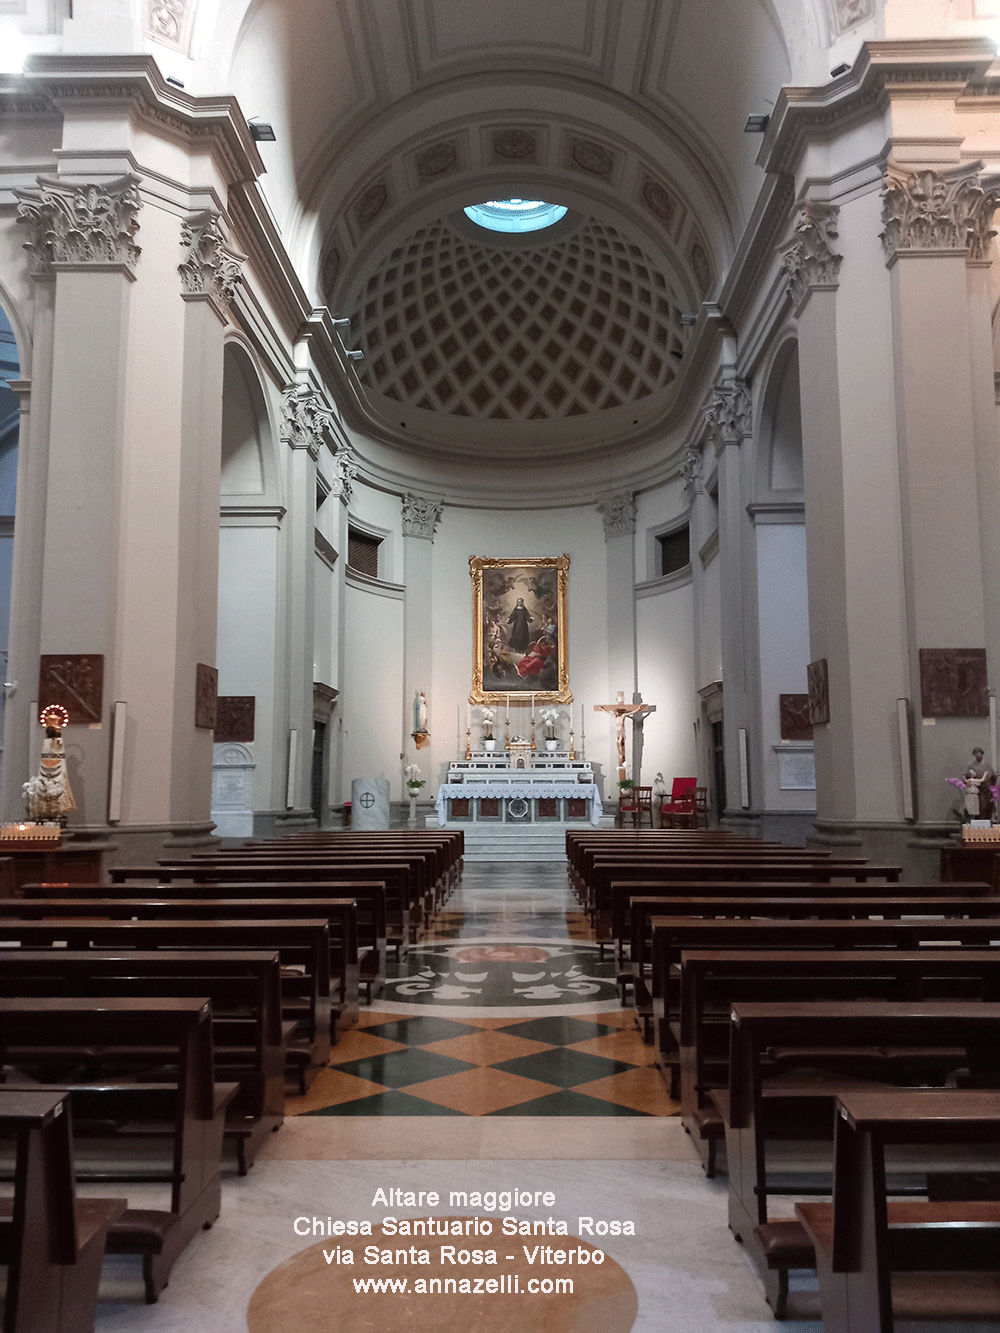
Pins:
<point x="542" y="327"/>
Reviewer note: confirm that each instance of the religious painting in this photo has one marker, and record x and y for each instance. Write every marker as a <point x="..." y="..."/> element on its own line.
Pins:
<point x="953" y="682"/>
<point x="818" y="681"/>
<point x="519" y="629"/>
<point x="794" y="714"/>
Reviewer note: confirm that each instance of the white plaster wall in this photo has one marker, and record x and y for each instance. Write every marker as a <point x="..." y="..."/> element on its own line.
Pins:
<point x="372" y="690"/>
<point x="665" y="504"/>
<point x="665" y="638"/>
<point x="463" y="533"/>
<point x="247" y="645"/>
<point x="710" y="666"/>
<point x="324" y="645"/>
<point x="784" y="645"/>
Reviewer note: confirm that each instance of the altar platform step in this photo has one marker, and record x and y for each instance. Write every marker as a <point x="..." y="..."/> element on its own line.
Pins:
<point x="512" y="842"/>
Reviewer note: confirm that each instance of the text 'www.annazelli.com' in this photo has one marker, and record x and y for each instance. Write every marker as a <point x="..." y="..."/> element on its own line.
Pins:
<point x="508" y="1284"/>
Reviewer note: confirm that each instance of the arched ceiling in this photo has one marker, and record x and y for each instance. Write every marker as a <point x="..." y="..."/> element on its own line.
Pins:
<point x="390" y="117"/>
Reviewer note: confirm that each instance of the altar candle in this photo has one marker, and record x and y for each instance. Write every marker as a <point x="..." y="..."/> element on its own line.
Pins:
<point x="508" y="708"/>
<point x="532" y="708"/>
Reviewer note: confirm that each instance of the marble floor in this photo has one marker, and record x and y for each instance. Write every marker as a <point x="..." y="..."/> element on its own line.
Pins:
<point x="537" y="1085"/>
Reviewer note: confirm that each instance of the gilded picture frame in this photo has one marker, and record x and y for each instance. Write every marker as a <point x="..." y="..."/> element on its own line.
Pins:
<point x="519" y="629"/>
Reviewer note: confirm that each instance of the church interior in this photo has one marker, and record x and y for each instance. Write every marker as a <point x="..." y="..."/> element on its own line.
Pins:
<point x="466" y="422"/>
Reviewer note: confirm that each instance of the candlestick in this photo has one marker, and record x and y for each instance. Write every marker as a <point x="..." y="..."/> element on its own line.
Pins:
<point x="572" y="751"/>
<point x="532" y="712"/>
<point x="508" y="707"/>
<point x="468" y="743"/>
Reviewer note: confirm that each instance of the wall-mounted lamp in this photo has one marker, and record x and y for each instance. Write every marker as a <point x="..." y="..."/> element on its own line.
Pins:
<point x="841" y="69"/>
<point x="341" y="323"/>
<point x="357" y="354"/>
<point x="688" y="320"/>
<point x="262" y="131"/>
<point x="756" y="124"/>
<point x="176" y="82"/>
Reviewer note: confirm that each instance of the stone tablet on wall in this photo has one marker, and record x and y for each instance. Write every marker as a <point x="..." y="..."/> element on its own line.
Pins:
<point x="817" y="678"/>
<point x="953" y="682"/>
<point x="370" y="803"/>
<point x="795" y="721"/>
<point x="206" y="693"/>
<point x="234" y="718"/>
<point x="74" y="680"/>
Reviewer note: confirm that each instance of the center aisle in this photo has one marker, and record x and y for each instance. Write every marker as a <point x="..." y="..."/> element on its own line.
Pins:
<point x="504" y="1009"/>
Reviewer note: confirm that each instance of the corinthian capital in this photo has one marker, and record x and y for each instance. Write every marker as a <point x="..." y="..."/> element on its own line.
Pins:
<point x="344" y="471"/>
<point x="691" y="470"/>
<point x="809" y="259"/>
<point x="729" y="415"/>
<point x="88" y="225"/>
<point x="209" y="267"/>
<point x="932" y="211"/>
<point x="618" y="512"/>
<point x="305" y="418"/>
<point x="420" y="516"/>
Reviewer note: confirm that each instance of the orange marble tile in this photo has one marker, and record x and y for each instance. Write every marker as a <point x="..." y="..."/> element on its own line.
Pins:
<point x="623" y="1045"/>
<point x="487" y="1048"/>
<point x="369" y="1017"/>
<point x="331" y="1088"/>
<point x="638" y="1089"/>
<point x="480" y="1091"/>
<point x="361" y="1045"/>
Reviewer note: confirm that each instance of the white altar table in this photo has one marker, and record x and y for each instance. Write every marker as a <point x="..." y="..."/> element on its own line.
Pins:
<point x="517" y="801"/>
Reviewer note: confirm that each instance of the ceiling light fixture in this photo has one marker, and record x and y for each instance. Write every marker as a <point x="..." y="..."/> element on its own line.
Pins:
<point x="756" y="124"/>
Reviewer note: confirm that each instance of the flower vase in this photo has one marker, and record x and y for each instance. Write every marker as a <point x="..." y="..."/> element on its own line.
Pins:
<point x="489" y="744"/>
<point x="551" y="743"/>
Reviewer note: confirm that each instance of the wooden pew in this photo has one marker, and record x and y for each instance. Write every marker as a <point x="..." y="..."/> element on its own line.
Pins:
<point x="671" y="935"/>
<point x="301" y="944"/>
<point x="51" y="1242"/>
<point x="633" y="902"/>
<point x="756" y="1112"/>
<point x="53" y="1032"/>
<point x="340" y="913"/>
<point x="368" y="897"/>
<point x="713" y="980"/>
<point x="249" y="1039"/>
<point x="879" y="1260"/>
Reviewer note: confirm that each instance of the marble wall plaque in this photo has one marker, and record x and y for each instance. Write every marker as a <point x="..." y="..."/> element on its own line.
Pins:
<point x="794" y="713"/>
<point x="234" y="718"/>
<point x="206" y="693"/>
<point x="74" y="680"/>
<point x="796" y="770"/>
<point x="232" y="791"/>
<point x="370" y="803"/>
<point x="817" y="678"/>
<point x="953" y="682"/>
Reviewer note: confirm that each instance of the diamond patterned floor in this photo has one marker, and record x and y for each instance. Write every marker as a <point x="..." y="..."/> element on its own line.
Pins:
<point x="576" y="1063"/>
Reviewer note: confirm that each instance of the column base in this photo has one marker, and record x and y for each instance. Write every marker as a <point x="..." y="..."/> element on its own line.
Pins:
<point x="143" y="844"/>
<point x="917" y="847"/>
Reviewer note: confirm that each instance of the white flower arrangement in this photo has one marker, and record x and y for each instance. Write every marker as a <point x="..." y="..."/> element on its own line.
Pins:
<point x="413" y="779"/>
<point x="487" y="717"/>
<point x="550" y="716"/>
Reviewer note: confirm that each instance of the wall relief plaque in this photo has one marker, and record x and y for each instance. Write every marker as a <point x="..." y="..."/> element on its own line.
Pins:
<point x="794" y="713"/>
<point x="206" y="693"/>
<point x="75" y="680"/>
<point x="234" y="718"/>
<point x="953" y="682"/>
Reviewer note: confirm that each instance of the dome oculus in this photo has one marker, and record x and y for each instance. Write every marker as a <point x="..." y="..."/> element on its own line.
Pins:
<point x="513" y="215"/>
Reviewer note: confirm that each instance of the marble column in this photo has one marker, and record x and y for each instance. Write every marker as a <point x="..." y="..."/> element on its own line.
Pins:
<point x="618" y="513"/>
<point x="728" y="420"/>
<point x="420" y="518"/>
<point x="306" y="422"/>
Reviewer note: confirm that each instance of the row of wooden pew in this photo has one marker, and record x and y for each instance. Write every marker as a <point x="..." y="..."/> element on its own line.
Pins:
<point x="160" y="1016"/>
<point x="797" y="998"/>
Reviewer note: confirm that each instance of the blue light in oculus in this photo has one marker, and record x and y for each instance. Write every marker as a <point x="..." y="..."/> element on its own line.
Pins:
<point x="515" y="214"/>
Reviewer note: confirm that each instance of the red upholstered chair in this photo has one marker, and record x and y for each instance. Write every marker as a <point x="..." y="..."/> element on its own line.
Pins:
<point x="679" y="808"/>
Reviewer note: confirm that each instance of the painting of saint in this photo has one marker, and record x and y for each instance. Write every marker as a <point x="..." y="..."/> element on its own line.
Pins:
<point x="519" y="608"/>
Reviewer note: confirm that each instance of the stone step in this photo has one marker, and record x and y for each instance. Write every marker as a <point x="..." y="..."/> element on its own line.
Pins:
<point x="506" y="842"/>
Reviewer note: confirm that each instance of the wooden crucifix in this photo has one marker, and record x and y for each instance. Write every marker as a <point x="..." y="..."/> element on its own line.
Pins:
<point x="638" y="712"/>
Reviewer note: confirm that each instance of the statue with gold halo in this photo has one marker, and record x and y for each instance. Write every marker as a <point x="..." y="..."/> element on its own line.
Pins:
<point x="48" y="795"/>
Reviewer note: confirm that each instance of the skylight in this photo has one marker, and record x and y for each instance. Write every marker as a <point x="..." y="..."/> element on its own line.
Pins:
<point x="515" y="214"/>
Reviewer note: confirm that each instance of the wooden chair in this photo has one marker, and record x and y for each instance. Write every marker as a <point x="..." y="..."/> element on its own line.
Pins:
<point x="637" y="802"/>
<point x="680" y="804"/>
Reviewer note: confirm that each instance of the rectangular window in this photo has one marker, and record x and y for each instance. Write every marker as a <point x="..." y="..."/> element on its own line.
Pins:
<point x="675" y="550"/>
<point x="362" y="552"/>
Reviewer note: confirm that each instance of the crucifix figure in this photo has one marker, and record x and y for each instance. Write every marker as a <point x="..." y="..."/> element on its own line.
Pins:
<point x="637" y="711"/>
